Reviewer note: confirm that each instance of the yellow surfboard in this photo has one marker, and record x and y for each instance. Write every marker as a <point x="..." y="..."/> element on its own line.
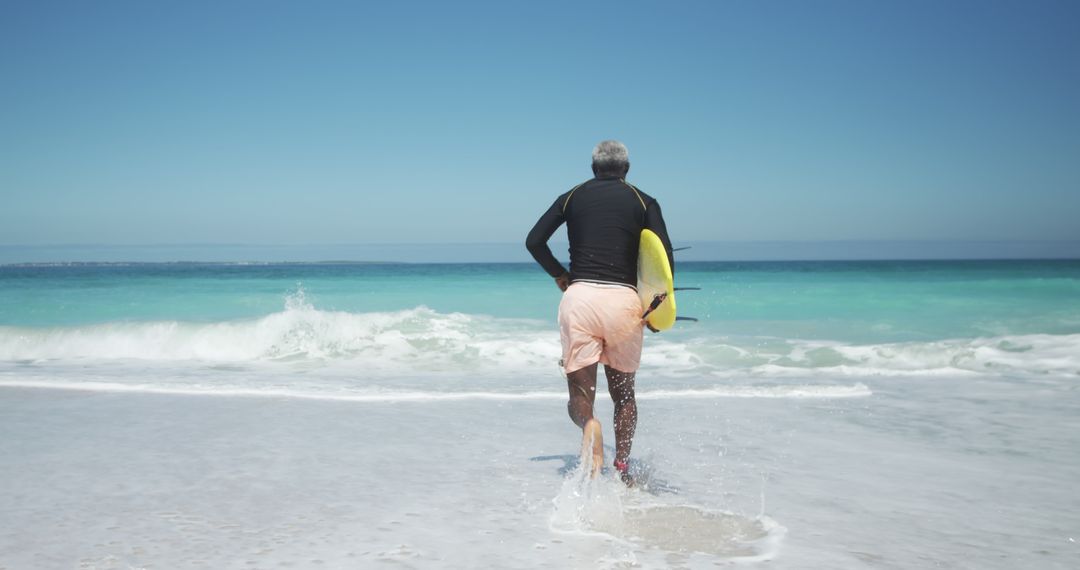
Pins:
<point x="655" y="286"/>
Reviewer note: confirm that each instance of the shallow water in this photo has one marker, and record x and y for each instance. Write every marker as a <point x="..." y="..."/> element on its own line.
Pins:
<point x="880" y="481"/>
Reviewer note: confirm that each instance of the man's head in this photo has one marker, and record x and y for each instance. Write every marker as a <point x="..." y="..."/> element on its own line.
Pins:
<point x="610" y="158"/>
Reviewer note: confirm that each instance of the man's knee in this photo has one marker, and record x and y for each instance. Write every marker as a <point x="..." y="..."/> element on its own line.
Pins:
<point x="579" y="391"/>
<point x="582" y="381"/>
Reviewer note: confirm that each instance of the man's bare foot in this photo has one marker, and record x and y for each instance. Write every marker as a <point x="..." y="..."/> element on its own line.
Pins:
<point x="592" y="443"/>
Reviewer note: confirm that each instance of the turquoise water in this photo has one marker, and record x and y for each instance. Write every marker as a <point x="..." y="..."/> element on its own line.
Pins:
<point x="888" y="301"/>
<point x="849" y="301"/>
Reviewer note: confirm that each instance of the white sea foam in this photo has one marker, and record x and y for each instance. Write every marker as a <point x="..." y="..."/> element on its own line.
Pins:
<point x="416" y="339"/>
<point x="857" y="390"/>
<point x="421" y="340"/>
<point x="398" y="396"/>
<point x="635" y="519"/>
<point x="1038" y="354"/>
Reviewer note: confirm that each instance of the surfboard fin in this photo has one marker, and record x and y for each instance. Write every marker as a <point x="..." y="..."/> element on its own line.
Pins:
<point x="674" y="249"/>
<point x="694" y="319"/>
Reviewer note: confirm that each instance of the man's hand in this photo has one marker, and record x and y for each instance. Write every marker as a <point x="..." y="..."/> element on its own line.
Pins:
<point x="563" y="281"/>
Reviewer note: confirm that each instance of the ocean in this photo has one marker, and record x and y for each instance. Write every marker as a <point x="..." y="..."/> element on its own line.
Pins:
<point x="841" y="414"/>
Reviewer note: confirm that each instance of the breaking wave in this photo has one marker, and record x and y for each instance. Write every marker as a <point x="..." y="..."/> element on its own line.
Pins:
<point x="422" y="340"/>
<point x="419" y="339"/>
<point x="1038" y="354"/>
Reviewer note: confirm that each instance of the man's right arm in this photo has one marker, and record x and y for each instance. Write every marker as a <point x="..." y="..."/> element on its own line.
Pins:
<point x="537" y="245"/>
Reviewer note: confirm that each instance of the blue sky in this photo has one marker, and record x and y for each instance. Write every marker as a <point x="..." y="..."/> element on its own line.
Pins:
<point x="351" y="122"/>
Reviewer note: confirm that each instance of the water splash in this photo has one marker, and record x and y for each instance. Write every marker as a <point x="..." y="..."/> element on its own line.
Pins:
<point x="588" y="505"/>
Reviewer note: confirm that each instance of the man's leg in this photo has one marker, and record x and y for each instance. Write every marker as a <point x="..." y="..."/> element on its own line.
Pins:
<point x="621" y="388"/>
<point x="582" y="385"/>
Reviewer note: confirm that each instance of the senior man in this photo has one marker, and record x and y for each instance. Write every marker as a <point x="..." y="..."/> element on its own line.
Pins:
<point x="600" y="313"/>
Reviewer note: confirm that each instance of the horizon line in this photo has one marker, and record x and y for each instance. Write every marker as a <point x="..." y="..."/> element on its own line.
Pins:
<point x="464" y="243"/>
<point x="363" y="262"/>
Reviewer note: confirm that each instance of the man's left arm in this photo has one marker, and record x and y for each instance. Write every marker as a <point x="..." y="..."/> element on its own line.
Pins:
<point x="537" y="245"/>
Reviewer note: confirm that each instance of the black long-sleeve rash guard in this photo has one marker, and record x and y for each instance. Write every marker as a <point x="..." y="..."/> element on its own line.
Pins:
<point x="604" y="218"/>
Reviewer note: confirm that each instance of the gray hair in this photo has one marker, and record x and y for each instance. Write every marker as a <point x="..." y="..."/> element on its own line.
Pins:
<point x="610" y="156"/>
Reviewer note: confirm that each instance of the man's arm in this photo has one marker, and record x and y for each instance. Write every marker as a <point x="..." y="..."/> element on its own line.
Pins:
<point x="654" y="220"/>
<point x="537" y="245"/>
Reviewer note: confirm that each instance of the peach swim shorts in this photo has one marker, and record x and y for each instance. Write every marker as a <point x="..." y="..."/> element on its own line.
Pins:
<point x="600" y="323"/>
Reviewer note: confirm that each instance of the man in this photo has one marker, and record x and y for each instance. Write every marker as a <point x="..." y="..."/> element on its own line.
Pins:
<point x="600" y="313"/>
